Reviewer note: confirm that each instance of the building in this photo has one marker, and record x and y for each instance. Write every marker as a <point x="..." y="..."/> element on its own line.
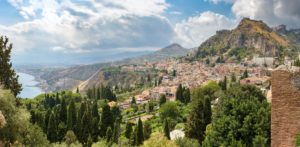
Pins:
<point x="175" y="134"/>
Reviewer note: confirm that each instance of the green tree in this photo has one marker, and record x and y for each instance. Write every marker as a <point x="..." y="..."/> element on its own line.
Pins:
<point x="260" y="141"/>
<point x="169" y="110"/>
<point x="162" y="99"/>
<point x="223" y="83"/>
<point x="133" y="101"/>
<point x="70" y="138"/>
<point x="128" y="130"/>
<point x="8" y="76"/>
<point x="139" y="133"/>
<point x="95" y="129"/>
<point x="52" y="130"/>
<point x="89" y="142"/>
<point x="61" y="131"/>
<point x="297" y="63"/>
<point x="245" y="74"/>
<point x="207" y="61"/>
<point x="167" y="129"/>
<point x="95" y="112"/>
<point x="71" y="120"/>
<point x="109" y="135"/>
<point x="35" y="137"/>
<point x="106" y="119"/>
<point x="63" y="111"/>
<point x="46" y="119"/>
<point x="242" y="114"/>
<point x="187" y="142"/>
<point x="174" y="73"/>
<point x="233" y="77"/>
<point x="187" y="95"/>
<point x="196" y="125"/>
<point x="86" y="122"/>
<point x="117" y="131"/>
<point x="147" y="130"/>
<point x="179" y="93"/>
<point x="133" y="137"/>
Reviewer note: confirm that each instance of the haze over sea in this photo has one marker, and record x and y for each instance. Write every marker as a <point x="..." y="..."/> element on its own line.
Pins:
<point x="29" y="84"/>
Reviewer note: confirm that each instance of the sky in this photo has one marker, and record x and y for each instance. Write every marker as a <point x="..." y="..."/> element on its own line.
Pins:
<point x="73" y="31"/>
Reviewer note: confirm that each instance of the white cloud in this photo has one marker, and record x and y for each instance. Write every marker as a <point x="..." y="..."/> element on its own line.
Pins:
<point x="218" y="1"/>
<point x="83" y="26"/>
<point x="175" y="12"/>
<point x="274" y="12"/>
<point x="193" y="31"/>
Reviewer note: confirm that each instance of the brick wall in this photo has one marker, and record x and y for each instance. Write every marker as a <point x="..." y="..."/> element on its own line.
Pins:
<point x="285" y="119"/>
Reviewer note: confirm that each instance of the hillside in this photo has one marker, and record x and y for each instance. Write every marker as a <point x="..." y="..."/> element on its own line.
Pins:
<point x="250" y="37"/>
<point x="173" y="50"/>
<point x="53" y="79"/>
<point x="292" y="34"/>
<point x="121" y="76"/>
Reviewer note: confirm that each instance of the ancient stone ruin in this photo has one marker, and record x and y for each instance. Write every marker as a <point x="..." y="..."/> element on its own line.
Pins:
<point x="285" y="117"/>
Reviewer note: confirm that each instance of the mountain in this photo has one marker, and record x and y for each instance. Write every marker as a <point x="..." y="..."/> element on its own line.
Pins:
<point x="114" y="75"/>
<point x="171" y="51"/>
<point x="293" y="34"/>
<point x="54" y="79"/>
<point x="250" y="37"/>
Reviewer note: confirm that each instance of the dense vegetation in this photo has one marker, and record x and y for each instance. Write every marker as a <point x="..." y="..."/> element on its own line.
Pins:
<point x="215" y="114"/>
<point x="240" y="115"/>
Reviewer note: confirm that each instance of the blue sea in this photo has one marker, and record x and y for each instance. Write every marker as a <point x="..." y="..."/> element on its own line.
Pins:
<point x="29" y="85"/>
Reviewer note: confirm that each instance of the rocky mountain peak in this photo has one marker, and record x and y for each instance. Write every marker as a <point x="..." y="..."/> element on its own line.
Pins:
<point x="253" y="26"/>
<point x="280" y="29"/>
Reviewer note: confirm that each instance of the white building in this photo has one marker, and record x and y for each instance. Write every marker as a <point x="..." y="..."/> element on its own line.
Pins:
<point x="175" y="134"/>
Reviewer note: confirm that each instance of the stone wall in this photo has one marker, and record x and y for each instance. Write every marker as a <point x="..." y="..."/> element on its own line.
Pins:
<point x="285" y="118"/>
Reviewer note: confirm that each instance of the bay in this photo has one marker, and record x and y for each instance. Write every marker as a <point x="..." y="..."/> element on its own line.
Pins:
<point x="29" y="85"/>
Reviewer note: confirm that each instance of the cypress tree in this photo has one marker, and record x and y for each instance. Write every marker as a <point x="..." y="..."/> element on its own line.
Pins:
<point x="162" y="99"/>
<point x="133" y="137"/>
<point x="52" y="131"/>
<point x="108" y="134"/>
<point x="71" y="115"/>
<point x="8" y="76"/>
<point x="77" y="90"/>
<point x="57" y="100"/>
<point x="95" y="112"/>
<point x="167" y="129"/>
<point x="179" y="93"/>
<point x="133" y="101"/>
<point x="89" y="142"/>
<point x="98" y="93"/>
<point x="106" y="120"/>
<point x="95" y="129"/>
<point x="139" y="133"/>
<point x="46" y="120"/>
<point x="187" y="95"/>
<point x="61" y="131"/>
<point x="117" y="130"/>
<point x="207" y="110"/>
<point x="86" y="122"/>
<point x="78" y="125"/>
<point x="82" y="110"/>
<point x="225" y="83"/>
<point x="245" y="74"/>
<point x="63" y="111"/>
<point x="147" y="130"/>
<point x="233" y="78"/>
<point x="199" y="117"/>
<point x="128" y="130"/>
